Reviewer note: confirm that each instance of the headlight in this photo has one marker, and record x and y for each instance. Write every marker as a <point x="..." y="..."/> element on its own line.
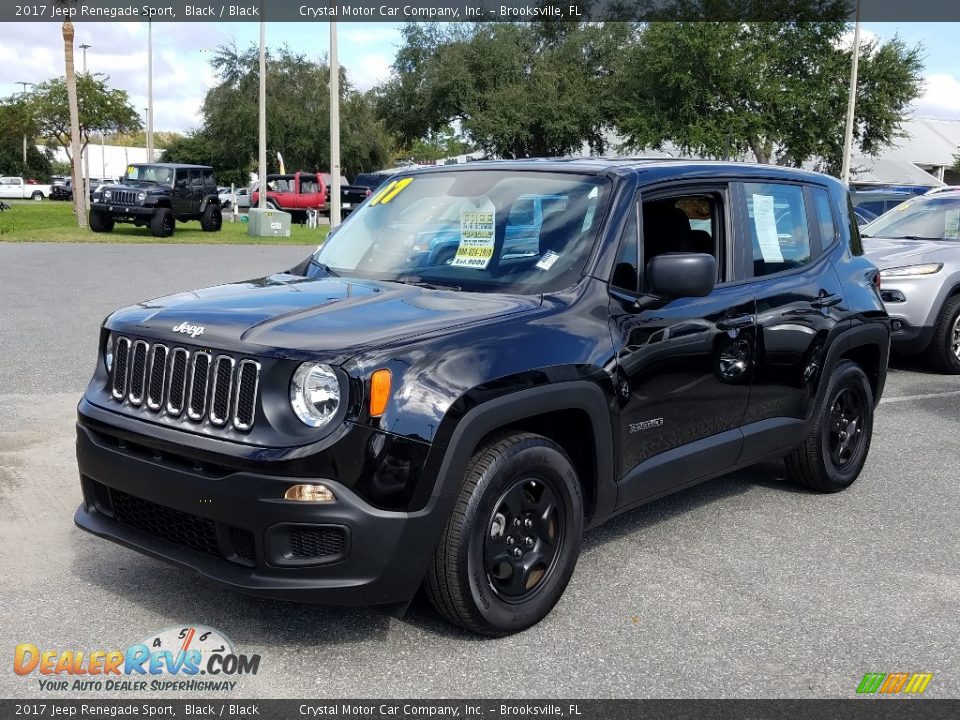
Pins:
<point x="927" y="269"/>
<point x="315" y="394"/>
<point x="107" y="194"/>
<point x="108" y="354"/>
<point x="141" y="197"/>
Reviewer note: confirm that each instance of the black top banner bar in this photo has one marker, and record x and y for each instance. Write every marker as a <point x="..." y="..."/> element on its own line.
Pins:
<point x="477" y="10"/>
<point x="315" y="709"/>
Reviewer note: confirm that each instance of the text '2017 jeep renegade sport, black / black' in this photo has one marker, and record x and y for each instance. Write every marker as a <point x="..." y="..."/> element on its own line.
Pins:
<point x="375" y="419"/>
<point x="158" y="196"/>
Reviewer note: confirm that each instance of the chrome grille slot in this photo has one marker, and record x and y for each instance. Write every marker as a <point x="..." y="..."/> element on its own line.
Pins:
<point x="221" y="389"/>
<point x="158" y="376"/>
<point x="121" y="355"/>
<point x="178" y="382"/>
<point x="138" y="372"/>
<point x="248" y="384"/>
<point x="199" y="381"/>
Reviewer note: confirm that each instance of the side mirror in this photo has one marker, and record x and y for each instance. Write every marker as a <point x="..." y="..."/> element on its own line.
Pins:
<point x="676" y="275"/>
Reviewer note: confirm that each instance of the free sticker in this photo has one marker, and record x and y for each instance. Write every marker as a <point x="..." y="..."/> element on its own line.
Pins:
<point x="477" y="234"/>
<point x="548" y="259"/>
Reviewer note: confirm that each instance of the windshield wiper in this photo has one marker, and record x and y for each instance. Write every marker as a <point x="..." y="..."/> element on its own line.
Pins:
<point x="916" y="237"/>
<point x="324" y="268"/>
<point x="428" y="285"/>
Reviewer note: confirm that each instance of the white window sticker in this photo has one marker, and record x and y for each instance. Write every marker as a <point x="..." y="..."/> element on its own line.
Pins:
<point x="548" y="259"/>
<point x="951" y="224"/>
<point x="477" y="236"/>
<point x="766" y="226"/>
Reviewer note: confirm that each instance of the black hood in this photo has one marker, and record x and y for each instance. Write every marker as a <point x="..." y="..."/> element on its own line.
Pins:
<point x="334" y="317"/>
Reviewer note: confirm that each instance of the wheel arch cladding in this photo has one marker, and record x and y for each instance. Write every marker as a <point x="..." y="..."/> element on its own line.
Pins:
<point x="575" y="415"/>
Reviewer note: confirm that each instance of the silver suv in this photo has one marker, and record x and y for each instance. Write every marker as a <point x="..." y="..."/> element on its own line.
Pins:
<point x="917" y="248"/>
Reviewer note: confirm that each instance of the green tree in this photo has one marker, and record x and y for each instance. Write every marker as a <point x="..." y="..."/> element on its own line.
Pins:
<point x="298" y="118"/>
<point x="516" y="90"/>
<point x="776" y="90"/>
<point x="437" y="145"/>
<point x="17" y="123"/>
<point x="101" y="109"/>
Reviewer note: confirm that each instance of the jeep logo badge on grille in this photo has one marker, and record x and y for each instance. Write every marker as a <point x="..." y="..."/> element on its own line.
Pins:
<point x="187" y="329"/>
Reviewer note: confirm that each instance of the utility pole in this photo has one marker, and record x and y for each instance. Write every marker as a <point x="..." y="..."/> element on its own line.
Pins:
<point x="84" y="149"/>
<point x="334" y="128"/>
<point x="24" y="84"/>
<point x="149" y="91"/>
<point x="263" y="112"/>
<point x="851" y="102"/>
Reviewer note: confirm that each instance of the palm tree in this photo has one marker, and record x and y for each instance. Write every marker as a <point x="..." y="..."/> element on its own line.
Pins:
<point x="79" y="201"/>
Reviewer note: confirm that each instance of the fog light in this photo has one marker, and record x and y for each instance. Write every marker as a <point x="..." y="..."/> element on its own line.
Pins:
<point x="310" y="493"/>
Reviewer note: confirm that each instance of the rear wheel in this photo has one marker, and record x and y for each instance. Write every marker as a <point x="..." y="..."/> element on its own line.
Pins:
<point x="163" y="223"/>
<point x="37" y="196"/>
<point x="831" y="458"/>
<point x="944" y="351"/>
<point x="100" y="222"/>
<point x="212" y="219"/>
<point x="513" y="540"/>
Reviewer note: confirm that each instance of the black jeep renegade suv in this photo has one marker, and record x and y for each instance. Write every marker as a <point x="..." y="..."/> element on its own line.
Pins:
<point x="158" y="196"/>
<point x="372" y="420"/>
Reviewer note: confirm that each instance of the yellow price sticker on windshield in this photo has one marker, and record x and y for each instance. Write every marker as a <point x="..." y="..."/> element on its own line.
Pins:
<point x="131" y="169"/>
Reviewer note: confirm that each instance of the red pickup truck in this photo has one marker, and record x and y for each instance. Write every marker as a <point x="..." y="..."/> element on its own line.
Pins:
<point x="304" y="191"/>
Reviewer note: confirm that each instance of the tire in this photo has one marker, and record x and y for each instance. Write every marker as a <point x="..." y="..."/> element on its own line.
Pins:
<point x="944" y="351"/>
<point x="212" y="219"/>
<point x="831" y="458"/>
<point x="225" y="206"/>
<point x="162" y="224"/>
<point x="474" y="580"/>
<point x="100" y="222"/>
<point x="271" y="205"/>
<point x="37" y="196"/>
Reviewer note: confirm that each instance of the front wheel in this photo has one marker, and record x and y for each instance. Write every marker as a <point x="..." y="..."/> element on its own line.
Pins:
<point x="511" y="545"/>
<point x="831" y="458"/>
<point x="944" y="351"/>
<point x="100" y="222"/>
<point x="162" y="224"/>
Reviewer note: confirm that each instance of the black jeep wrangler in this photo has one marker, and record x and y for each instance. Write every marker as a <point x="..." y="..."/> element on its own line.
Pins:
<point x="159" y="195"/>
<point x="373" y="420"/>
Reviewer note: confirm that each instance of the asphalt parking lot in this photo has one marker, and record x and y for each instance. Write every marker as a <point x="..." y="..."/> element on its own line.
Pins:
<point x="742" y="587"/>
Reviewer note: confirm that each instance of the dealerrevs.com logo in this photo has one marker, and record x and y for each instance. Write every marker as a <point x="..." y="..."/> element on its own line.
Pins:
<point x="171" y="660"/>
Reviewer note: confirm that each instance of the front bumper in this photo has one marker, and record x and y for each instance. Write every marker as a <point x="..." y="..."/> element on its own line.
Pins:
<point x="236" y="528"/>
<point x="124" y="212"/>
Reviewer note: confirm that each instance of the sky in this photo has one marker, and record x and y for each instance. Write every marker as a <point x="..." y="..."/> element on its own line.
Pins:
<point x="33" y="52"/>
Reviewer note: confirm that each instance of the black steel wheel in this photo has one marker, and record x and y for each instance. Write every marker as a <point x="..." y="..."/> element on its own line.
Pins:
<point x="834" y="453"/>
<point x="512" y="542"/>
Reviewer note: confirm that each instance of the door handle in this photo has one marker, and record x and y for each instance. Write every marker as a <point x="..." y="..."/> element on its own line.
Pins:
<point x="826" y="300"/>
<point x="737" y="322"/>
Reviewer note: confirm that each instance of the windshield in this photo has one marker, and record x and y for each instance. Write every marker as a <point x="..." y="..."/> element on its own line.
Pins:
<point x="148" y="174"/>
<point x="926" y="218"/>
<point x="478" y="230"/>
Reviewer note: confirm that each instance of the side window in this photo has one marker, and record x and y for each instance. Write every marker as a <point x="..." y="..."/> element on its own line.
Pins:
<point x="181" y="180"/>
<point x="196" y="180"/>
<point x="828" y="229"/>
<point x="778" y="227"/>
<point x="209" y="182"/>
<point x="688" y="223"/>
<point x="626" y="275"/>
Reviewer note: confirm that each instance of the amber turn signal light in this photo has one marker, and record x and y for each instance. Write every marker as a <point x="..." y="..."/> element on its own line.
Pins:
<point x="379" y="392"/>
<point x="310" y="493"/>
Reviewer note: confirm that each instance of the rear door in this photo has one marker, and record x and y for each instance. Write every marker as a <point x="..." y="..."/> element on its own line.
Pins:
<point x="799" y="303"/>
<point x="683" y="369"/>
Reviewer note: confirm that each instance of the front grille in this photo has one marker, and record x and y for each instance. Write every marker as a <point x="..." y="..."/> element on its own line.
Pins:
<point x="182" y="528"/>
<point x="173" y="380"/>
<point x="325" y="542"/>
<point x="122" y="197"/>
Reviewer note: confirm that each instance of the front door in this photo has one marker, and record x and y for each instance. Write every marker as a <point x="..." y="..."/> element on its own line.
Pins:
<point x="683" y="369"/>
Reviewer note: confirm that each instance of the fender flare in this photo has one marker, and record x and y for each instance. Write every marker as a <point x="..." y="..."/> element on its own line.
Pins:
<point x="483" y="419"/>
<point x="874" y="333"/>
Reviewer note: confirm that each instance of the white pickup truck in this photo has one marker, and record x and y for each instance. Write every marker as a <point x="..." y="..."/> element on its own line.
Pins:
<point x="14" y="188"/>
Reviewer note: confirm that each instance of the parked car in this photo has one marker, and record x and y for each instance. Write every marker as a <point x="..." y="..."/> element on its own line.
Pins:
<point x="295" y="194"/>
<point x="359" y="425"/>
<point x="158" y="195"/>
<point x="242" y="196"/>
<point x="863" y="216"/>
<point x="16" y="188"/>
<point x="62" y="191"/>
<point x="879" y="201"/>
<point x="917" y="248"/>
